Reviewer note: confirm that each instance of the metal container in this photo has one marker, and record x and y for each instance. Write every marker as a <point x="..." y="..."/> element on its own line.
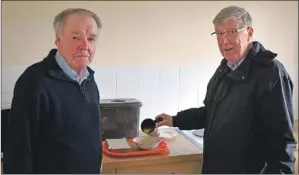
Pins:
<point x="120" y="118"/>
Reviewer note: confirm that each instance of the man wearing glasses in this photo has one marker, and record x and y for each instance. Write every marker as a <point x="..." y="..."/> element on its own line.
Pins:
<point x="248" y="111"/>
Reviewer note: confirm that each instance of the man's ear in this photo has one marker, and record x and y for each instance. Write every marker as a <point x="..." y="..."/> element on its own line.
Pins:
<point x="250" y="32"/>
<point x="57" y="40"/>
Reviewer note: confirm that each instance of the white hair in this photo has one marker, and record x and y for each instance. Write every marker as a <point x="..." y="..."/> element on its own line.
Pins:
<point x="240" y="14"/>
<point x="60" y="19"/>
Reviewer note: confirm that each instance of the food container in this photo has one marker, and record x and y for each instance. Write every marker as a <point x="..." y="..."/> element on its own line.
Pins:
<point x="147" y="142"/>
<point x="118" y="145"/>
<point x="120" y="118"/>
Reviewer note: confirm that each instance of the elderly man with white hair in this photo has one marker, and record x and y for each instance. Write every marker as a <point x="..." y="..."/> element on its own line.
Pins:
<point x="248" y="110"/>
<point x="54" y="122"/>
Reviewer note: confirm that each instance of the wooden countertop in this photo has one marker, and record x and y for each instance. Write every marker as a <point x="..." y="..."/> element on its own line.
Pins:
<point x="180" y="149"/>
<point x="178" y="152"/>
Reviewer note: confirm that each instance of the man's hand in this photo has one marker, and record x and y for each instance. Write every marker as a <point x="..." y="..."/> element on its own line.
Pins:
<point x="167" y="120"/>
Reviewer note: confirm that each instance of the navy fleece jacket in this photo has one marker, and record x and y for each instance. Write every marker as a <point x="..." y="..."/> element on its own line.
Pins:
<point x="54" y="123"/>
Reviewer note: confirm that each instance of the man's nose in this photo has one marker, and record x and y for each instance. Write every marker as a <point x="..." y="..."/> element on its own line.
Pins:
<point x="84" y="43"/>
<point x="224" y="39"/>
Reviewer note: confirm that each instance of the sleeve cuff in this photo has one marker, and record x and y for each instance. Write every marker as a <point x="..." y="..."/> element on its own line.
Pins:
<point x="175" y="121"/>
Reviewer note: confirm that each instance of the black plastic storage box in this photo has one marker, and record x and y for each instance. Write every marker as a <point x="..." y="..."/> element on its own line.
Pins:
<point x="120" y="118"/>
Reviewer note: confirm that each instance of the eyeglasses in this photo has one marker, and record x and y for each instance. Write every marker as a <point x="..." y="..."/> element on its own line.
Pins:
<point x="230" y="33"/>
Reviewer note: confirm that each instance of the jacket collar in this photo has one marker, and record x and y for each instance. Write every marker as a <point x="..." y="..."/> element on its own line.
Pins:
<point x="258" y="54"/>
<point x="55" y="70"/>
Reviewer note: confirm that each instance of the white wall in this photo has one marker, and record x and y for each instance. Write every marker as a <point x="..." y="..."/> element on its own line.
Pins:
<point x="170" y="41"/>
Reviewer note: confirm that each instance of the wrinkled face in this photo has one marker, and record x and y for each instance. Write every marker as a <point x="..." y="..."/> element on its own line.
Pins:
<point x="233" y="41"/>
<point x="77" y="41"/>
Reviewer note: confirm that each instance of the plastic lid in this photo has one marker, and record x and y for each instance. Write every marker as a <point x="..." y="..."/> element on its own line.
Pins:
<point x="120" y="102"/>
<point x="167" y="133"/>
